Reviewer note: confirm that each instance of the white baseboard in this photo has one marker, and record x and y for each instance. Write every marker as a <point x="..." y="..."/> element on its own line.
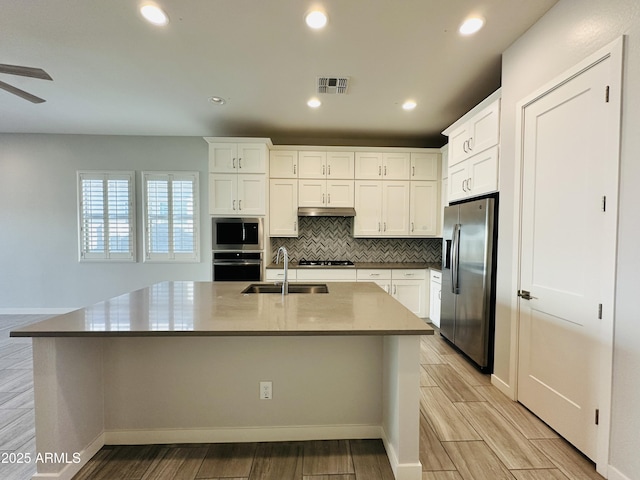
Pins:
<point x="401" y="471"/>
<point x="71" y="469"/>
<point x="35" y="311"/>
<point x="229" y="435"/>
<point x="503" y="387"/>
<point x="615" y="474"/>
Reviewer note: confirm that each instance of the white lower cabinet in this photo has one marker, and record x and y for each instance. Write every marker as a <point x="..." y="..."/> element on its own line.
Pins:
<point x="408" y="286"/>
<point x="435" y="294"/>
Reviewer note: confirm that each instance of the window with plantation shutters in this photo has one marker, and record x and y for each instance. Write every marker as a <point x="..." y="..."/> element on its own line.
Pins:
<point x="106" y="216"/>
<point x="171" y="216"/>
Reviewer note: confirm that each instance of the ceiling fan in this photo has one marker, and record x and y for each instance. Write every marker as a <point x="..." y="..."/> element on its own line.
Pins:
<point x="23" y="72"/>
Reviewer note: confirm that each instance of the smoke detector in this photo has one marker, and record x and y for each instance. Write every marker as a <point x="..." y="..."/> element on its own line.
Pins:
<point x="337" y="85"/>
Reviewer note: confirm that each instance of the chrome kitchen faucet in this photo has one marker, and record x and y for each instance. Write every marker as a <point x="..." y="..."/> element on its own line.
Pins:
<point x="285" y="282"/>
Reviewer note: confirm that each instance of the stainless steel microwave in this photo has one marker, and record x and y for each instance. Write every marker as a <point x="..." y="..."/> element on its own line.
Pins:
<point x="237" y="233"/>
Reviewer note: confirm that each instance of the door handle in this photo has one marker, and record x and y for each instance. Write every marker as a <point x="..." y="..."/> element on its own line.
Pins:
<point x="464" y="185"/>
<point x="526" y="295"/>
<point x="239" y="162"/>
<point x="454" y="259"/>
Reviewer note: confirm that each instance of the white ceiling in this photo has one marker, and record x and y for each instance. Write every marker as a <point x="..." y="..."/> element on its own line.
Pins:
<point x="116" y="74"/>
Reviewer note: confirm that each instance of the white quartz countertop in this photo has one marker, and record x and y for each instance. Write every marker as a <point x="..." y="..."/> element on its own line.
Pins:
<point x="220" y="309"/>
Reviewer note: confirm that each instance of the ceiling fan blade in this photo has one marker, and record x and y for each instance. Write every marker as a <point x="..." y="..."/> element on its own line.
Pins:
<point x="25" y="71"/>
<point x="21" y="93"/>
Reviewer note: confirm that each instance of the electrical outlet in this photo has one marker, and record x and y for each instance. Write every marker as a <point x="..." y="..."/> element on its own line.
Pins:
<point x="266" y="390"/>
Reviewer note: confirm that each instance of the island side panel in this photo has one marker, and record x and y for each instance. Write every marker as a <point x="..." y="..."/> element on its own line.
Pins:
<point x="206" y="389"/>
<point x="401" y="405"/>
<point x="69" y="404"/>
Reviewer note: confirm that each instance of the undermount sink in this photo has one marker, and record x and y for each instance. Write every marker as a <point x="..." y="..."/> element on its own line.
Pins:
<point x="293" y="288"/>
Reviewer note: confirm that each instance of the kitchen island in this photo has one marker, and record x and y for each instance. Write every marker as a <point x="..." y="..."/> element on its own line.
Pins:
<point x="181" y="362"/>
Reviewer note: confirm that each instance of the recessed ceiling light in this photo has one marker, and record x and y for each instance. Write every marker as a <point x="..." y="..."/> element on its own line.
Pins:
<point x="217" y="100"/>
<point x="471" y="25"/>
<point x="316" y="19"/>
<point x="314" y="103"/>
<point x="409" y="105"/>
<point x="154" y="14"/>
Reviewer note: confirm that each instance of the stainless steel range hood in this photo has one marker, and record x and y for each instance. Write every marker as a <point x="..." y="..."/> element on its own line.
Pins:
<point x="326" y="212"/>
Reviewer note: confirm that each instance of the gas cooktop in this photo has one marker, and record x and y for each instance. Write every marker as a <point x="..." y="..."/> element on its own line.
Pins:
<point x="325" y="263"/>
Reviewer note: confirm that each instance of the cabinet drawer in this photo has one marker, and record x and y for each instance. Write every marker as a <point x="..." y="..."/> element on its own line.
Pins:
<point x="327" y="274"/>
<point x="371" y="275"/>
<point x="278" y="275"/>
<point x="436" y="276"/>
<point x="409" y="274"/>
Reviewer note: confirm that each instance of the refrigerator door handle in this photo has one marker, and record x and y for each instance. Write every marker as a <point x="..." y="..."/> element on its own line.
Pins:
<point x="455" y="251"/>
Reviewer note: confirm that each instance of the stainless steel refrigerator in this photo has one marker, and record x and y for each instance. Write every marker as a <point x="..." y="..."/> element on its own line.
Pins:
<point x="468" y="278"/>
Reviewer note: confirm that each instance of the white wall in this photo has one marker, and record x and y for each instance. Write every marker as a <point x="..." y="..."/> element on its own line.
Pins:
<point x="39" y="266"/>
<point x="567" y="34"/>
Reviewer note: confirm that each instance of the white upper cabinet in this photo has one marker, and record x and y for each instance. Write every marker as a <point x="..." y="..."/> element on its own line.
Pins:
<point x="424" y="208"/>
<point x="480" y="132"/>
<point x="473" y="151"/>
<point x="312" y="164"/>
<point x="382" y="209"/>
<point x="425" y="166"/>
<point x="283" y="207"/>
<point x="383" y="165"/>
<point x="396" y="166"/>
<point x="340" y="165"/>
<point x="237" y="176"/>
<point x="237" y="158"/>
<point x="283" y="164"/>
<point x="317" y="164"/>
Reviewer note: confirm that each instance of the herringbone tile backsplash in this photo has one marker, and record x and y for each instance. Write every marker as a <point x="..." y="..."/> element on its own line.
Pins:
<point x="324" y="238"/>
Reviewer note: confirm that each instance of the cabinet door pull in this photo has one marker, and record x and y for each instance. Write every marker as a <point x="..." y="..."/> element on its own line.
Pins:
<point x="374" y="274"/>
<point x="412" y="225"/>
<point x="239" y="204"/>
<point x="323" y="169"/>
<point x="328" y="198"/>
<point x="464" y="146"/>
<point x="464" y="183"/>
<point x="469" y="183"/>
<point x="234" y="162"/>
<point x="329" y="170"/>
<point x="471" y="143"/>
<point x="379" y="170"/>
<point x="413" y="171"/>
<point x="295" y="226"/>
<point x="239" y="162"/>
<point x="378" y="226"/>
<point x="395" y="289"/>
<point x="323" y="198"/>
<point x="385" y="170"/>
<point x="294" y="168"/>
<point x="385" y="226"/>
<point x="234" y="204"/>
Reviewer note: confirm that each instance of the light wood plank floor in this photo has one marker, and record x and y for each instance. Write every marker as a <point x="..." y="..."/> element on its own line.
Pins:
<point x="468" y="431"/>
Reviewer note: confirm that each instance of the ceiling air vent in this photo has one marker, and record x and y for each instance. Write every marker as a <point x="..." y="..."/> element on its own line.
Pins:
<point x="333" y="84"/>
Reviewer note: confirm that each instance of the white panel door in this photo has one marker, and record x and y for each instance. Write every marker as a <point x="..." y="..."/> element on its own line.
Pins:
<point x="564" y="236"/>
<point x="283" y="164"/>
<point x="251" y="194"/>
<point x="223" y="194"/>
<point x="340" y="165"/>
<point x="395" y="208"/>
<point x="425" y="166"/>
<point x="312" y="164"/>
<point x="396" y="166"/>
<point x="368" y="166"/>
<point x="312" y="193"/>
<point x="252" y="158"/>
<point x="411" y="294"/>
<point x="340" y="193"/>
<point x="283" y="208"/>
<point x="368" y="205"/>
<point x="425" y="206"/>
<point x="223" y="157"/>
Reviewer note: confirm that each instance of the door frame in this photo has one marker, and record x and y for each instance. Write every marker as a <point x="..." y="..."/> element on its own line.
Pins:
<point x="613" y="51"/>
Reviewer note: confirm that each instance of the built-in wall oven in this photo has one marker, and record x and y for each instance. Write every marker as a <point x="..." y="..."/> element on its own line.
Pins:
<point x="237" y="249"/>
